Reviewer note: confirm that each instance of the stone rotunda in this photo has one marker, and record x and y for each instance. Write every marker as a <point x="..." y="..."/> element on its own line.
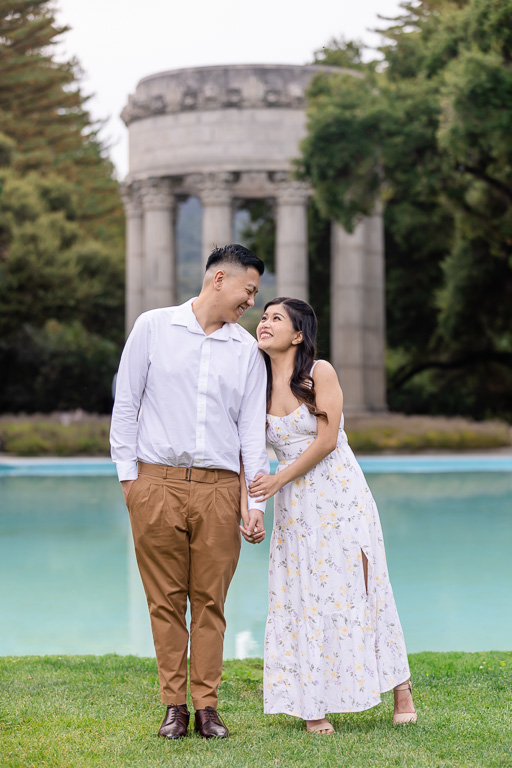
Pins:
<point x="230" y="133"/>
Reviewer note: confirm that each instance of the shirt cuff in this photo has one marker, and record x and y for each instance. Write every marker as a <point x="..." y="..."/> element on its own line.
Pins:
<point x="127" y="470"/>
<point x="252" y="504"/>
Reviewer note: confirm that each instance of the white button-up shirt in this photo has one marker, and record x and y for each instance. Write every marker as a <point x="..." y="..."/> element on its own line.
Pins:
<point x="185" y="399"/>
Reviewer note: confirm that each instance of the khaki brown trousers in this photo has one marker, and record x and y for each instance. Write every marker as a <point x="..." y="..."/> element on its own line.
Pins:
<point x="185" y="525"/>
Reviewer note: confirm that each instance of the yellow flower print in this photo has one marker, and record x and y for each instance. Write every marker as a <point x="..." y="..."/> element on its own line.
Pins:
<point x="288" y="653"/>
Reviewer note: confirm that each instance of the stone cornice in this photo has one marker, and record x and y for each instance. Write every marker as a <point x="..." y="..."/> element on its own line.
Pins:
<point x="213" y="88"/>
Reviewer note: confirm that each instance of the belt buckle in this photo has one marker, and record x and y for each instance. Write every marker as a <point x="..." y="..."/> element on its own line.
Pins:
<point x="188" y="474"/>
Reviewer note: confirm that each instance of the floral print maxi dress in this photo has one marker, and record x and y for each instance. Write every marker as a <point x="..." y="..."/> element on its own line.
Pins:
<point x="329" y="645"/>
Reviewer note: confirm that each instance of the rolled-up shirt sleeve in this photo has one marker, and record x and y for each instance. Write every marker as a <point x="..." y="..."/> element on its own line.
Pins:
<point x="251" y="424"/>
<point x="130" y="385"/>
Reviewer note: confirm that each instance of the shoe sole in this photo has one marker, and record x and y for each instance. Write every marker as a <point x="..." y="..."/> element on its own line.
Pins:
<point x="211" y="736"/>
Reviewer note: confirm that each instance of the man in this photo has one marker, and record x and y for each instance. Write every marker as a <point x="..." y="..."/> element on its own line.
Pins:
<point x="190" y="403"/>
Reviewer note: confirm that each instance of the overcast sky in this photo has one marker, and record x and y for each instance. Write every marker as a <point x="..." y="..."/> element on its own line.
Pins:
<point x="120" y="41"/>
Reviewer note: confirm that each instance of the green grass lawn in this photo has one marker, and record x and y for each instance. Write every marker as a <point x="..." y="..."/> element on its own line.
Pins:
<point x="70" y="711"/>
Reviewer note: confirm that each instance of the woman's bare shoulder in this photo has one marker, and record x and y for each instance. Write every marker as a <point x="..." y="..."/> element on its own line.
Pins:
<point x="324" y="372"/>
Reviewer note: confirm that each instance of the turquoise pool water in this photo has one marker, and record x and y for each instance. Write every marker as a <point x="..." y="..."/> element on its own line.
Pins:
<point x="70" y="583"/>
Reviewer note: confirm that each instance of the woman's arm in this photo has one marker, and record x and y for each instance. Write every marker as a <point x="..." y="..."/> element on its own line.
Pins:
<point x="329" y="398"/>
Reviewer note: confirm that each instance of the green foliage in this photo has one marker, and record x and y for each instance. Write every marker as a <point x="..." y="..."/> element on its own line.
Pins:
<point x="46" y="437"/>
<point x="76" y="433"/>
<point x="81" y="711"/>
<point x="428" y="130"/>
<point x="422" y="433"/>
<point x="61" y="227"/>
<point x="56" y="367"/>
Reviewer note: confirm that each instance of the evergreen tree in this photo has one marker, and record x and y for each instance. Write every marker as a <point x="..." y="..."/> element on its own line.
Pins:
<point x="61" y="226"/>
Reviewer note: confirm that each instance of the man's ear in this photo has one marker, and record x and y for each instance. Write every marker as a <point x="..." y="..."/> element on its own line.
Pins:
<point x="219" y="279"/>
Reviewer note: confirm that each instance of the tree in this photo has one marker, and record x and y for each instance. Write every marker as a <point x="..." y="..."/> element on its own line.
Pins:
<point x="429" y="131"/>
<point x="61" y="225"/>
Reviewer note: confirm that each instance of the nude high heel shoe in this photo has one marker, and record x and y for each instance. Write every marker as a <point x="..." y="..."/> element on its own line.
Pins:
<point x="405" y="717"/>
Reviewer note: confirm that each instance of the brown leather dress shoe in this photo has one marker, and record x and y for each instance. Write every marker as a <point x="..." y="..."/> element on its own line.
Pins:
<point x="175" y="723"/>
<point x="209" y="724"/>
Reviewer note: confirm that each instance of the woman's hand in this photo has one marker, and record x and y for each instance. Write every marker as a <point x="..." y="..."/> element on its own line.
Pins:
<point x="264" y="486"/>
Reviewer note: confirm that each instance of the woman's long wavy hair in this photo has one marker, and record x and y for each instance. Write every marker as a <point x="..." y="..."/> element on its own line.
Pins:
<point x="301" y="383"/>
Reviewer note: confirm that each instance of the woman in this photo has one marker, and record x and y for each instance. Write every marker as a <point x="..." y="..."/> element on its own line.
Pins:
<point x="333" y="640"/>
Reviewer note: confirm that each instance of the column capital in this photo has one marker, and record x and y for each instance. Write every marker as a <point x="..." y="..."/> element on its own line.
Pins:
<point x="290" y="191"/>
<point x="157" y="194"/>
<point x="215" y="188"/>
<point x="131" y="197"/>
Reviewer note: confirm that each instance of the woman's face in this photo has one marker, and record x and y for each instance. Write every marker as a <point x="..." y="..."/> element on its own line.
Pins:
<point x="275" y="331"/>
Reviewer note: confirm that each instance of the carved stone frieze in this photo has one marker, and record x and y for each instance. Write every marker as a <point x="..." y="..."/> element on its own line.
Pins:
<point x="206" y="88"/>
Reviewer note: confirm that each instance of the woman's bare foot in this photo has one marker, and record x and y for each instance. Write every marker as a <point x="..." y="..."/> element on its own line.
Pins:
<point x="404" y="704"/>
<point x="322" y="726"/>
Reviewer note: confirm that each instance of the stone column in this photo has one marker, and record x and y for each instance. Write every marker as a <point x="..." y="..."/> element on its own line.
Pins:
<point x="375" y="314"/>
<point x="216" y="198"/>
<point x="159" y="243"/>
<point x="347" y="312"/>
<point x="134" y="279"/>
<point x="357" y="313"/>
<point x="291" y="237"/>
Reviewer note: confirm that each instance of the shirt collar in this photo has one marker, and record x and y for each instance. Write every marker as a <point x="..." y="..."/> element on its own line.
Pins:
<point x="184" y="315"/>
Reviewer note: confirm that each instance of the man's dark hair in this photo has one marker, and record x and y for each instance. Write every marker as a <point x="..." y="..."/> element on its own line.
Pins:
<point x="237" y="255"/>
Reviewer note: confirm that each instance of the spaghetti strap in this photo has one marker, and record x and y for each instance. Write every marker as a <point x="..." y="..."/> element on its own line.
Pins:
<point x="313" y="367"/>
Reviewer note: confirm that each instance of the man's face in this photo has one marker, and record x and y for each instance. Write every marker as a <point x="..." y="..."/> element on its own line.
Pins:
<point x="238" y="292"/>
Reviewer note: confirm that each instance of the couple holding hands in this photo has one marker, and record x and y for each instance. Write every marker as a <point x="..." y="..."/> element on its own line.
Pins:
<point x="197" y="398"/>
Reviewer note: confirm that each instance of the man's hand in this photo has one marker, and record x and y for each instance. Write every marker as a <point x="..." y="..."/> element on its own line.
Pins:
<point x="253" y="528"/>
<point x="126" y="485"/>
<point x="264" y="486"/>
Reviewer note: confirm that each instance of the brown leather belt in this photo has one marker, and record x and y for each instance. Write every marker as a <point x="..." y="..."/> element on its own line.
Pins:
<point x="191" y="474"/>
